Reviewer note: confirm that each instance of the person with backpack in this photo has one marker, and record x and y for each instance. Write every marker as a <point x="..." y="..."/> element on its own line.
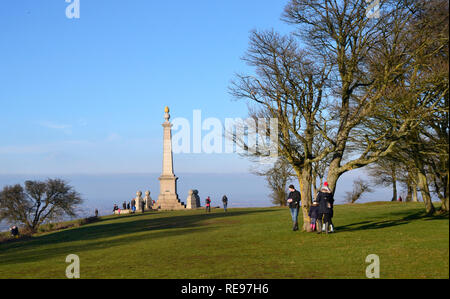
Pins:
<point x="326" y="201"/>
<point x="225" y="202"/>
<point x="208" y="205"/>
<point x="294" y="201"/>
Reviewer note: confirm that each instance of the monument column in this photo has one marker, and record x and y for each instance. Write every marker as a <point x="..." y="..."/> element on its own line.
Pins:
<point x="168" y="197"/>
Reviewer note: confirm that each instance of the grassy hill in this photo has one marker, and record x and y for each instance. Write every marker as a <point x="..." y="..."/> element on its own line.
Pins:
<point x="243" y="243"/>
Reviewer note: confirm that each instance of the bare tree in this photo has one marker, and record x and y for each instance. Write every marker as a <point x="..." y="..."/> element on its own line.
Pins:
<point x="360" y="187"/>
<point x="362" y="84"/>
<point x="370" y="58"/>
<point x="385" y="172"/>
<point x="320" y="167"/>
<point x="38" y="202"/>
<point x="290" y="87"/>
<point x="278" y="177"/>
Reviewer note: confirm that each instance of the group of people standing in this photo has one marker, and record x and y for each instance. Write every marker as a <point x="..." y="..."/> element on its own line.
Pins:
<point x="130" y="206"/>
<point x="321" y="212"/>
<point x="208" y="203"/>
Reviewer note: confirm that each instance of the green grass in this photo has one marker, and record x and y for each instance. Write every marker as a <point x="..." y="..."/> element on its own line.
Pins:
<point x="244" y="243"/>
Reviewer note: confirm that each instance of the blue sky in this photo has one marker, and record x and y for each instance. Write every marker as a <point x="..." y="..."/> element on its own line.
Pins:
<point x="87" y="95"/>
<point x="83" y="99"/>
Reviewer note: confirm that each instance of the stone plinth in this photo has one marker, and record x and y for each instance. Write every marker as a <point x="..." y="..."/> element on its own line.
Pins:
<point x="191" y="201"/>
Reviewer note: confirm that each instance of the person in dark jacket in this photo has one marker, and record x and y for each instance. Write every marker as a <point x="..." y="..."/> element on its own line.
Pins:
<point x="225" y="202"/>
<point x="133" y="206"/>
<point x="326" y="201"/>
<point x="294" y="201"/>
<point x="14" y="231"/>
<point x="314" y="214"/>
<point x="208" y="205"/>
<point x="124" y="205"/>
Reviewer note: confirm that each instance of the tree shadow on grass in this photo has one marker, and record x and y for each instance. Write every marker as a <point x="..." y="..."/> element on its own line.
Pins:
<point x="401" y="218"/>
<point x="110" y="233"/>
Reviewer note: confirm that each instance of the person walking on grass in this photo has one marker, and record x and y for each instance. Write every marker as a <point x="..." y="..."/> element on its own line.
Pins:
<point x="294" y="201"/>
<point x="208" y="205"/>
<point x="326" y="200"/>
<point x="225" y="202"/>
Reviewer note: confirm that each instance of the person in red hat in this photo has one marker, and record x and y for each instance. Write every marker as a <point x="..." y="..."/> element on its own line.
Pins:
<point x="325" y="199"/>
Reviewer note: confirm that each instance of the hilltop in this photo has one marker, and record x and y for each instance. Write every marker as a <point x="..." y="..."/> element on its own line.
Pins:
<point x="243" y="243"/>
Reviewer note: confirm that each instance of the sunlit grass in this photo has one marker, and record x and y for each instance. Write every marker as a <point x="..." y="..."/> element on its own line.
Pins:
<point x="243" y="243"/>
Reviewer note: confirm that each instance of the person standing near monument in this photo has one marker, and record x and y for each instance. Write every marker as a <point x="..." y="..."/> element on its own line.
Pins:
<point x="225" y="202"/>
<point x="294" y="201"/>
<point x="133" y="205"/>
<point x="208" y="205"/>
<point x="143" y="206"/>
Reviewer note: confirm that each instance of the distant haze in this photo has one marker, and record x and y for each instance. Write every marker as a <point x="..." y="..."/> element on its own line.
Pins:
<point x="243" y="189"/>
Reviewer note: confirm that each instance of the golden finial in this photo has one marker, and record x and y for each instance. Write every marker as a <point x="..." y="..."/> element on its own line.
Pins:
<point x="167" y="110"/>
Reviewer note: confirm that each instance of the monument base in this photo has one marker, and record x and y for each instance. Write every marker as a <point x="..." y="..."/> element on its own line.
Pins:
<point x="169" y="202"/>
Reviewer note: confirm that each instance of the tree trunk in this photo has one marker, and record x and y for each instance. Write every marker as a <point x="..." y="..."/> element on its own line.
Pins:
<point x="445" y="202"/>
<point x="424" y="189"/>
<point x="305" y="186"/>
<point x="409" y="196"/>
<point x="332" y="179"/>
<point x="445" y="205"/>
<point x="314" y="180"/>
<point x="415" y="195"/>
<point x="394" y="189"/>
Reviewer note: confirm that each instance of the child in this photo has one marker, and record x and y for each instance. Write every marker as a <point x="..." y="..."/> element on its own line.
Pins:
<point x="314" y="214"/>
<point x="208" y="205"/>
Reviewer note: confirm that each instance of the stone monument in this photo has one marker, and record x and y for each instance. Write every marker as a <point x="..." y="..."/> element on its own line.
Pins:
<point x="168" y="197"/>
<point x="197" y="198"/>
<point x="148" y="201"/>
<point x="191" y="201"/>
<point x="138" y="200"/>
